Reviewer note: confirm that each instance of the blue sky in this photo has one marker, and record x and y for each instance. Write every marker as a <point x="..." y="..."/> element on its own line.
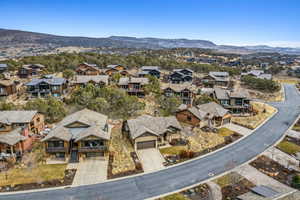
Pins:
<point x="239" y="22"/>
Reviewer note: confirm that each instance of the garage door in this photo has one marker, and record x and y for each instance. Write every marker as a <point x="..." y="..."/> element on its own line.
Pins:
<point x="226" y="121"/>
<point x="146" y="144"/>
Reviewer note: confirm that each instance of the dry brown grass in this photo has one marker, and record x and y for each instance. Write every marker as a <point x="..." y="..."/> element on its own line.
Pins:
<point x="204" y="140"/>
<point x="37" y="174"/>
<point x="254" y="121"/>
<point x="121" y="147"/>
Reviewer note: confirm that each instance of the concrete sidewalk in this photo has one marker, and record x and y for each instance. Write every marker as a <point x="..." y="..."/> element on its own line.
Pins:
<point x="237" y="128"/>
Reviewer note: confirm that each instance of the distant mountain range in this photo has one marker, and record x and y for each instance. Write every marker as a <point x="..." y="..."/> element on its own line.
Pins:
<point x="15" y="38"/>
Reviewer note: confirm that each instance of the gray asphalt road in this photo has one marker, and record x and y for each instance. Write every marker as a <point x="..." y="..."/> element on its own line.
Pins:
<point x="171" y="179"/>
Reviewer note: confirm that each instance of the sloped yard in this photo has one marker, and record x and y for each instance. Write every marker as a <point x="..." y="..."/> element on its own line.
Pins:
<point x="204" y="140"/>
<point x="121" y="149"/>
<point x="263" y="112"/>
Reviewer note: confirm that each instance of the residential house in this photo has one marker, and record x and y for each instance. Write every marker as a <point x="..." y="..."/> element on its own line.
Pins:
<point x="97" y="80"/>
<point x="113" y="69"/>
<point x="216" y="78"/>
<point x="181" y="76"/>
<point x="87" y="69"/>
<point x="30" y="70"/>
<point x="258" y="74"/>
<point x="133" y="86"/>
<point x="3" y="67"/>
<point x="294" y="71"/>
<point x="81" y="135"/>
<point x="209" y="114"/>
<point x="17" y="129"/>
<point x="237" y="101"/>
<point x="47" y="86"/>
<point x="150" y="70"/>
<point x="186" y="92"/>
<point x="7" y="87"/>
<point x="150" y="132"/>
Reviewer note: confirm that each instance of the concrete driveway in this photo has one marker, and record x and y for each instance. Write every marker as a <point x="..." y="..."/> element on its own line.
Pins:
<point x="151" y="159"/>
<point x="90" y="172"/>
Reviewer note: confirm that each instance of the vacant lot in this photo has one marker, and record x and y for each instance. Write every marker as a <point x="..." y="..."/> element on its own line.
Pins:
<point x="263" y="112"/>
<point x="121" y="148"/>
<point x="233" y="185"/>
<point x="204" y="140"/>
<point x="288" y="147"/>
<point x="38" y="174"/>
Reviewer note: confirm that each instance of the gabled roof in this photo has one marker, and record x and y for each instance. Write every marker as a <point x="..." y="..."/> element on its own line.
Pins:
<point x="179" y="87"/>
<point x="240" y="93"/>
<point x="93" y="131"/>
<point x="89" y="64"/>
<point x="218" y="73"/>
<point x="147" y="68"/>
<point x="33" y="65"/>
<point x="50" y="81"/>
<point x="221" y="93"/>
<point x="153" y="125"/>
<point x="113" y="66"/>
<point x="12" y="137"/>
<point x="97" y="79"/>
<point x="179" y="70"/>
<point x="213" y="109"/>
<point x="96" y="124"/>
<point x="200" y="114"/>
<point x="127" y="80"/>
<point x="16" y="116"/>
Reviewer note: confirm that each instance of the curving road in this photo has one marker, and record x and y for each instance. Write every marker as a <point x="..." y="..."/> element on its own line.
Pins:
<point x="187" y="174"/>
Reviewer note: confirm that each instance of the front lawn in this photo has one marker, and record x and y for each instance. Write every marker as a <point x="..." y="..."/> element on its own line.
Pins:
<point x="288" y="147"/>
<point x="174" y="150"/>
<point x="38" y="174"/>
<point x="264" y="111"/>
<point x="225" y="132"/>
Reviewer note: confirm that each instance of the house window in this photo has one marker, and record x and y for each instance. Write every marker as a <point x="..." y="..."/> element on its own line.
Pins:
<point x="189" y="118"/>
<point x="2" y="127"/>
<point x="239" y="102"/>
<point x="60" y="155"/>
<point x="55" y="144"/>
<point x="93" y="143"/>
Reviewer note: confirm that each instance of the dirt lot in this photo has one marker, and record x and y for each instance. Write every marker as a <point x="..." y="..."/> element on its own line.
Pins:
<point x="273" y="169"/>
<point x="233" y="185"/>
<point x="195" y="193"/>
<point x="263" y="112"/>
<point x="203" y="140"/>
<point x="121" y="148"/>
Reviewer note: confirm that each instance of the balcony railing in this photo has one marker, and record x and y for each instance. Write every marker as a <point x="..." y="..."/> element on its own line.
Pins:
<point x="93" y="149"/>
<point x="56" y="149"/>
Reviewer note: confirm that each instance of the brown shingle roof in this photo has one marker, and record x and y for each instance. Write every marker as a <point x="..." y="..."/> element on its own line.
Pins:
<point x="154" y="125"/>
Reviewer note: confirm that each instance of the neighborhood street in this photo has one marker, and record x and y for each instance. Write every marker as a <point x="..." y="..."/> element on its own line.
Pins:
<point x="184" y="175"/>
